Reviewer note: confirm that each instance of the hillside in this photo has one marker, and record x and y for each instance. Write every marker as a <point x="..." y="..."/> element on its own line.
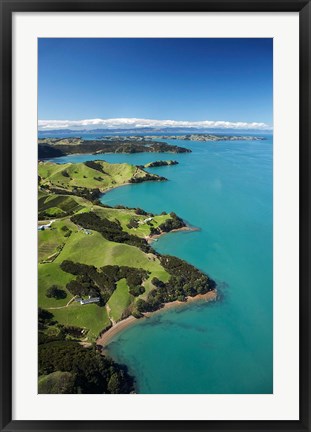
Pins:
<point x="102" y="252"/>
<point x="66" y="240"/>
<point x="53" y="147"/>
<point x="91" y="175"/>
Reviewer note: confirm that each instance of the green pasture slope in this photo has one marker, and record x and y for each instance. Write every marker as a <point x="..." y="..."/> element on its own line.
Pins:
<point x="97" y="175"/>
<point x="68" y="241"/>
<point x="120" y="300"/>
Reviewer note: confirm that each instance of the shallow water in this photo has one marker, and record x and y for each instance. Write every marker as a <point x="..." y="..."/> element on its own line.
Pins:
<point x="225" y="189"/>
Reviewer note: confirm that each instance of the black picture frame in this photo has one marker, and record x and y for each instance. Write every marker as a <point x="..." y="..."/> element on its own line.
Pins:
<point x="7" y="10"/>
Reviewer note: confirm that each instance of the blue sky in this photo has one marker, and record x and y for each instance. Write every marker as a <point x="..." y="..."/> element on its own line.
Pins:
<point x="191" y="80"/>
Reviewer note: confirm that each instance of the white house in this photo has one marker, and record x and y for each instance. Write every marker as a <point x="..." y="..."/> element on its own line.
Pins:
<point x="90" y="300"/>
<point x="44" y="227"/>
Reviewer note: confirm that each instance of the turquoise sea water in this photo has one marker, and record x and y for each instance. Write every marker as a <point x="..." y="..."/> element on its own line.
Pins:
<point x="225" y="189"/>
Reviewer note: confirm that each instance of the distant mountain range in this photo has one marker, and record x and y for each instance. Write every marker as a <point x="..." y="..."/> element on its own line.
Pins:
<point x="153" y="130"/>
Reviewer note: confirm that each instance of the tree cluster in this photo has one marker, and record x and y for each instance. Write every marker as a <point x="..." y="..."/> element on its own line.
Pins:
<point x="141" y="212"/>
<point x="110" y="230"/>
<point x="89" y="281"/>
<point x="102" y="282"/>
<point x="45" y="318"/>
<point x="185" y="280"/>
<point x="93" y="372"/>
<point x="95" y="166"/>
<point x="133" y="223"/>
<point x="55" y="292"/>
<point x="174" y="223"/>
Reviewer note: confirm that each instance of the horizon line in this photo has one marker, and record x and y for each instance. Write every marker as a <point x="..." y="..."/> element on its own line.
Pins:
<point x="137" y="123"/>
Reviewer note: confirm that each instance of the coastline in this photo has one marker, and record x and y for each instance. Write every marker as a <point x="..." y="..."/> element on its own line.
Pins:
<point x="151" y="238"/>
<point x="105" y="338"/>
<point x="104" y="191"/>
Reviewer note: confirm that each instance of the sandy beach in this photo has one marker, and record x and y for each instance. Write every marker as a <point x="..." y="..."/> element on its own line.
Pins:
<point x="106" y="337"/>
<point x="115" y="329"/>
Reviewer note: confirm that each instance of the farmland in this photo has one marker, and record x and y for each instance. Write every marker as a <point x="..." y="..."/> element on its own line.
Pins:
<point x="65" y="240"/>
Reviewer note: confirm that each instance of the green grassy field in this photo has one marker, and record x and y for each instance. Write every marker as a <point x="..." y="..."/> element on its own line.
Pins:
<point x="124" y="216"/>
<point x="48" y="275"/>
<point x="56" y="382"/>
<point x="90" y="316"/>
<point x="51" y="205"/>
<point x="68" y="176"/>
<point x="67" y="241"/>
<point x="92" y="249"/>
<point x="51" y="240"/>
<point x="120" y="300"/>
<point x="95" y="250"/>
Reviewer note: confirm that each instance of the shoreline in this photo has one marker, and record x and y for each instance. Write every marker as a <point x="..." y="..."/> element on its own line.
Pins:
<point x="105" y="338"/>
<point x="104" y="191"/>
<point x="151" y="238"/>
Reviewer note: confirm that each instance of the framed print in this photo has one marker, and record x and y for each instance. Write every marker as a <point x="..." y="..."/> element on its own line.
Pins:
<point x="155" y="215"/>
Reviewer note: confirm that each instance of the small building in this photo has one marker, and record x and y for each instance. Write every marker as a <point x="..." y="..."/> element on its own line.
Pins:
<point x="44" y="227"/>
<point x="90" y="300"/>
<point x="78" y="299"/>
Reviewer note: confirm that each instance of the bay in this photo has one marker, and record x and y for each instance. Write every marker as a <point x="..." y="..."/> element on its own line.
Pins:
<point x="225" y="189"/>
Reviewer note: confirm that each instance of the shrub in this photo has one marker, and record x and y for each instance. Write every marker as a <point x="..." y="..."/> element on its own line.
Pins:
<point x="55" y="292"/>
<point x="93" y="371"/>
<point x="140" y="211"/>
<point x="133" y="223"/>
<point x="136" y="291"/>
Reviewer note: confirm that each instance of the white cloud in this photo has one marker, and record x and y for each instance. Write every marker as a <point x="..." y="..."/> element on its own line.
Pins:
<point x="130" y="123"/>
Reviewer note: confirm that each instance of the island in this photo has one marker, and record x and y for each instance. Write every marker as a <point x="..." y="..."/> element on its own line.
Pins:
<point x="98" y="272"/>
<point x="160" y="163"/>
<point x="207" y="137"/>
<point x="56" y="147"/>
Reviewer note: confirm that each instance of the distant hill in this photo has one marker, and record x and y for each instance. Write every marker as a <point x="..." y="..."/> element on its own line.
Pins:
<point x="53" y="147"/>
<point x="143" y="130"/>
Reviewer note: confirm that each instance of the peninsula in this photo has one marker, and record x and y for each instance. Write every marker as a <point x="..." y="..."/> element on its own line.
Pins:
<point x="97" y="269"/>
<point x="91" y="250"/>
<point x="89" y="179"/>
<point x="56" y="147"/>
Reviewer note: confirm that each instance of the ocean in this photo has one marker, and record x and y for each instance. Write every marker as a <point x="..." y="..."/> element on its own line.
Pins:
<point x="225" y="190"/>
